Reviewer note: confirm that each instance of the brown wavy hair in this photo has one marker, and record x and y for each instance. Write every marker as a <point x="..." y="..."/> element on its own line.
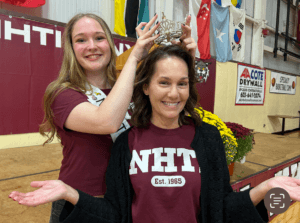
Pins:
<point x="142" y="112"/>
<point x="72" y="74"/>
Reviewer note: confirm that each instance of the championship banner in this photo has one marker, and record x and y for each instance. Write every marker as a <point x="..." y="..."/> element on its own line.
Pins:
<point x="282" y="83"/>
<point x="251" y="85"/>
<point x="30" y="59"/>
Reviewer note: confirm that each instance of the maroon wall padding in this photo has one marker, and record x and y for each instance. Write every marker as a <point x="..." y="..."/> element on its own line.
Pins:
<point x="26" y="69"/>
<point x="206" y="90"/>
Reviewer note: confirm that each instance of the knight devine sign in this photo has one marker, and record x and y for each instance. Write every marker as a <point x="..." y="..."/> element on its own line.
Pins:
<point x="282" y="83"/>
<point x="251" y="84"/>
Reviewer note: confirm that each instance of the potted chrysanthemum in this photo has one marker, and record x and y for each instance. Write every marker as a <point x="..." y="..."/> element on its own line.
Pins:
<point x="227" y="135"/>
<point x="244" y="138"/>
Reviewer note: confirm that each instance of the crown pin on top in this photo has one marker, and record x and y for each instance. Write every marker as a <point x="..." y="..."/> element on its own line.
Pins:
<point x="169" y="30"/>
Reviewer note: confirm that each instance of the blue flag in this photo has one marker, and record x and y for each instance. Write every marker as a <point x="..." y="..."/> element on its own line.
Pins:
<point x="144" y="12"/>
<point x="219" y="2"/>
<point x="220" y="24"/>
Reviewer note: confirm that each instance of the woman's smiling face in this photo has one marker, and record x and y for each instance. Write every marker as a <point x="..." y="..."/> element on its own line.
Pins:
<point x="90" y="45"/>
<point x="168" y="91"/>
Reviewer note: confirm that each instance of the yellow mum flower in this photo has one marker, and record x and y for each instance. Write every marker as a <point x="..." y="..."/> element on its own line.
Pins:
<point x="228" y="138"/>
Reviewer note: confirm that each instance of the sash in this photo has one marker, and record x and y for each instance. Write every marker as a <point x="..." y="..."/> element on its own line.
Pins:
<point x="96" y="97"/>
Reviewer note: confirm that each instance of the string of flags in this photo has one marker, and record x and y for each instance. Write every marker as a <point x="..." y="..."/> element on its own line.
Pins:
<point x="227" y="24"/>
<point x="223" y="19"/>
<point x="128" y="14"/>
<point x="220" y="25"/>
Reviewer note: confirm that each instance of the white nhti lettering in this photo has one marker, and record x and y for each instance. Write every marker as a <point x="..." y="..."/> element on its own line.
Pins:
<point x="142" y="164"/>
<point x="245" y="187"/>
<point x="279" y="173"/>
<point x="286" y="171"/>
<point x="9" y="31"/>
<point x="169" y="159"/>
<point x="127" y="46"/>
<point x="43" y="34"/>
<point x="121" y="48"/>
<point x="27" y="35"/>
<point x="295" y="171"/>
<point x="58" y="39"/>
<point x="187" y="167"/>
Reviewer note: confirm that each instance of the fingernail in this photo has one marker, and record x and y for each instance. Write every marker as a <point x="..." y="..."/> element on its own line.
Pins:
<point x="183" y="24"/>
<point x="155" y="14"/>
<point x="157" y="22"/>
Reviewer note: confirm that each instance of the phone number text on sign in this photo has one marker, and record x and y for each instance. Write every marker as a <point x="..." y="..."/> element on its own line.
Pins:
<point x="168" y="181"/>
<point x="250" y="95"/>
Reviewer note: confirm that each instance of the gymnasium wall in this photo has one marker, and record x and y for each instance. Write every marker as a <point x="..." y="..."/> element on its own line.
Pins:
<point x="253" y="116"/>
<point x="30" y="58"/>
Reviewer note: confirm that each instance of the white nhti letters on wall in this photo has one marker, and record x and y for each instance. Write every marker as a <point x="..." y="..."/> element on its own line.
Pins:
<point x="26" y="32"/>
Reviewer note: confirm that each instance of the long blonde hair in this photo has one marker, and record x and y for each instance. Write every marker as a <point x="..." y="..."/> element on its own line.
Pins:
<point x="72" y="75"/>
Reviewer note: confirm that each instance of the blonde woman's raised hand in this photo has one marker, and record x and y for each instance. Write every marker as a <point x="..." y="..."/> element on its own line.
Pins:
<point x="145" y="40"/>
<point x="186" y="39"/>
<point x="49" y="191"/>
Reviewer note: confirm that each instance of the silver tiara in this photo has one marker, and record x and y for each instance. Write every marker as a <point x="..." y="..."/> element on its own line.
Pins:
<point x="169" y="30"/>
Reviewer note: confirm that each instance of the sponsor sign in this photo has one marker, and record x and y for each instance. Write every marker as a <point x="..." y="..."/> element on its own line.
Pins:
<point x="251" y="85"/>
<point x="282" y="83"/>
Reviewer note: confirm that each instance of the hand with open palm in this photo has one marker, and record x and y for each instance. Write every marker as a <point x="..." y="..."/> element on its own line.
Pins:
<point x="49" y="191"/>
<point x="291" y="185"/>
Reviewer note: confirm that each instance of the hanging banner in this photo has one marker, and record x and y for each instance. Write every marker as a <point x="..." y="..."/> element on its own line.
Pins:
<point x="25" y="3"/>
<point x="30" y="59"/>
<point x="282" y="83"/>
<point x="251" y="85"/>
